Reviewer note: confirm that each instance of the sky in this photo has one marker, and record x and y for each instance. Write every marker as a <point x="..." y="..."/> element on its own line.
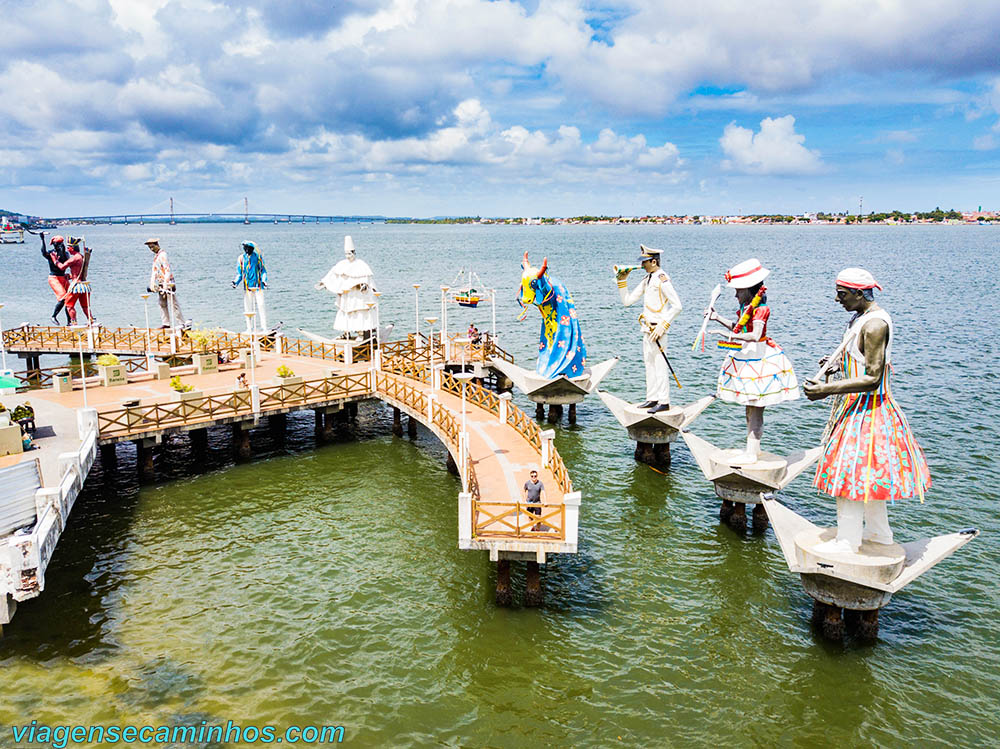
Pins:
<point x="469" y="107"/>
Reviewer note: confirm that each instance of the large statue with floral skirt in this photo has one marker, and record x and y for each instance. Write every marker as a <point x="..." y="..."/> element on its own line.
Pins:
<point x="870" y="456"/>
<point x="561" y="350"/>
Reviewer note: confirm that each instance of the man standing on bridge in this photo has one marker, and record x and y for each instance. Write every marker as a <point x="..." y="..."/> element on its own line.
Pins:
<point x="251" y="272"/>
<point x="161" y="281"/>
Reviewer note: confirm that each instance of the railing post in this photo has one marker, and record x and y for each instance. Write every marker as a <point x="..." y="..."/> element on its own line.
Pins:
<point x="571" y="502"/>
<point x="86" y="421"/>
<point x="504" y="405"/>
<point x="548" y="437"/>
<point x="279" y="343"/>
<point x="464" y="519"/>
<point x="436" y="378"/>
<point x="430" y="408"/>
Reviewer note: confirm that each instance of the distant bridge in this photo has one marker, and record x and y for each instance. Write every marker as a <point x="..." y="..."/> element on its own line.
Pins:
<point x="215" y="218"/>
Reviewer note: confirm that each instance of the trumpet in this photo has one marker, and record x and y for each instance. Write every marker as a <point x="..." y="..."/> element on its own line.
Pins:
<point x="623" y="269"/>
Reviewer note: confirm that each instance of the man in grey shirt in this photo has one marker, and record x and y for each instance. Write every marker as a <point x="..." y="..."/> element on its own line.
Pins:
<point x="534" y="493"/>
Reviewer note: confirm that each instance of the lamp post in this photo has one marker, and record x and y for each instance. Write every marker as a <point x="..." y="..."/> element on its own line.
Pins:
<point x="3" y="346"/>
<point x="430" y="341"/>
<point x="416" y="314"/>
<point x="444" y="321"/>
<point x="378" y="332"/>
<point x="371" y="338"/>
<point x="83" y="369"/>
<point x="463" y="442"/>
<point x="493" y="302"/>
<point x="149" y="344"/>
<point x="254" y="394"/>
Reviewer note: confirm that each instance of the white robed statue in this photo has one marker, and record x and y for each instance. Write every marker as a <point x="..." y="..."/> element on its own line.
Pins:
<point x="351" y="280"/>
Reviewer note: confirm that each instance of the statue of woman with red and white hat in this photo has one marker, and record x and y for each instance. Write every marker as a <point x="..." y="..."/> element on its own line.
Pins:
<point x="871" y="456"/>
<point x="756" y="373"/>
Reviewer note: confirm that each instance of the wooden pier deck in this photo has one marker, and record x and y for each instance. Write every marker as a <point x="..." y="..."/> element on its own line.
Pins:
<point x="501" y="443"/>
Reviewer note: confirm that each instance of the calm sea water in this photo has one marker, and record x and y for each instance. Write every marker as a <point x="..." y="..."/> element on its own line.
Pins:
<point x="323" y="586"/>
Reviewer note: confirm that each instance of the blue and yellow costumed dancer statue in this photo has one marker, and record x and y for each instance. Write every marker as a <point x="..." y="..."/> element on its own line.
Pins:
<point x="561" y="350"/>
<point x="251" y="272"/>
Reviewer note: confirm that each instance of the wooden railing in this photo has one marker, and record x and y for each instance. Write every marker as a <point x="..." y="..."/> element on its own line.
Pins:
<point x="482" y="398"/>
<point x="33" y="379"/>
<point x="401" y="391"/>
<point x="314" y="349"/>
<point x="506" y="519"/>
<point x="475" y="394"/>
<point x="212" y="407"/>
<point x="406" y="367"/>
<point x="526" y="427"/>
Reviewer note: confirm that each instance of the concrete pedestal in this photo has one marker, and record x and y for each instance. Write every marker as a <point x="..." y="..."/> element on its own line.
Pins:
<point x="109" y="458"/>
<point x="572" y="413"/>
<point x="397" y="422"/>
<point x="533" y="595"/>
<point x="555" y="413"/>
<point x="655" y="455"/>
<point x="504" y="595"/>
<point x="199" y="442"/>
<point x="144" y="460"/>
<point x="411" y="427"/>
<point x="241" y="440"/>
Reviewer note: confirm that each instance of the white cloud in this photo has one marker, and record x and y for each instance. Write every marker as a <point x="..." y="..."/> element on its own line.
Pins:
<point x="984" y="142"/>
<point x="775" y="149"/>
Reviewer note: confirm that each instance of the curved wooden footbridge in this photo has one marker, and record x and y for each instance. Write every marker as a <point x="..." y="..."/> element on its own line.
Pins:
<point x="492" y="443"/>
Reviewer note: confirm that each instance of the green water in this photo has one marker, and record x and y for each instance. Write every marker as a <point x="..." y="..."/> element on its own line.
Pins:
<point x="321" y="584"/>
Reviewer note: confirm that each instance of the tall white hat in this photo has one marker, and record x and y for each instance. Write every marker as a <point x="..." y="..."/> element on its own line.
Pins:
<point x="746" y="274"/>
<point x="348" y="244"/>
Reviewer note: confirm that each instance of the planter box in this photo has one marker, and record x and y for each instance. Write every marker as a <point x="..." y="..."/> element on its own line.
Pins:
<point x="112" y="375"/>
<point x="293" y="380"/>
<point x="206" y="363"/>
<point x="10" y="440"/>
<point x="62" y="381"/>
<point x="190" y="402"/>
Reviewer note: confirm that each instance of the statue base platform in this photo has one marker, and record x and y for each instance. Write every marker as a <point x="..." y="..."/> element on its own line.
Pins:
<point x="862" y="581"/>
<point x="653" y="429"/>
<point x="558" y="391"/>
<point x="736" y="479"/>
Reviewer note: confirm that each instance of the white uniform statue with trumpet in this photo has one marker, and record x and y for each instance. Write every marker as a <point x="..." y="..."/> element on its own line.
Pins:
<point x="352" y="281"/>
<point x="660" y="305"/>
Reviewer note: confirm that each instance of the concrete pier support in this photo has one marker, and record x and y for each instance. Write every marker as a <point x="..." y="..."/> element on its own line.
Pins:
<point x="199" y="442"/>
<point x="572" y="413"/>
<point x="411" y="427"/>
<point x="504" y="596"/>
<point x="655" y="455"/>
<point x="829" y="620"/>
<point x="320" y="423"/>
<point x="241" y="440"/>
<point x="144" y="460"/>
<point x="451" y="465"/>
<point x="397" y="422"/>
<point x="276" y="424"/>
<point x="555" y="413"/>
<point x="352" y="411"/>
<point x="738" y="519"/>
<point x="109" y="457"/>
<point x="539" y="411"/>
<point x="726" y="510"/>
<point x="760" y="521"/>
<point x="862" y="624"/>
<point x="533" y="594"/>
